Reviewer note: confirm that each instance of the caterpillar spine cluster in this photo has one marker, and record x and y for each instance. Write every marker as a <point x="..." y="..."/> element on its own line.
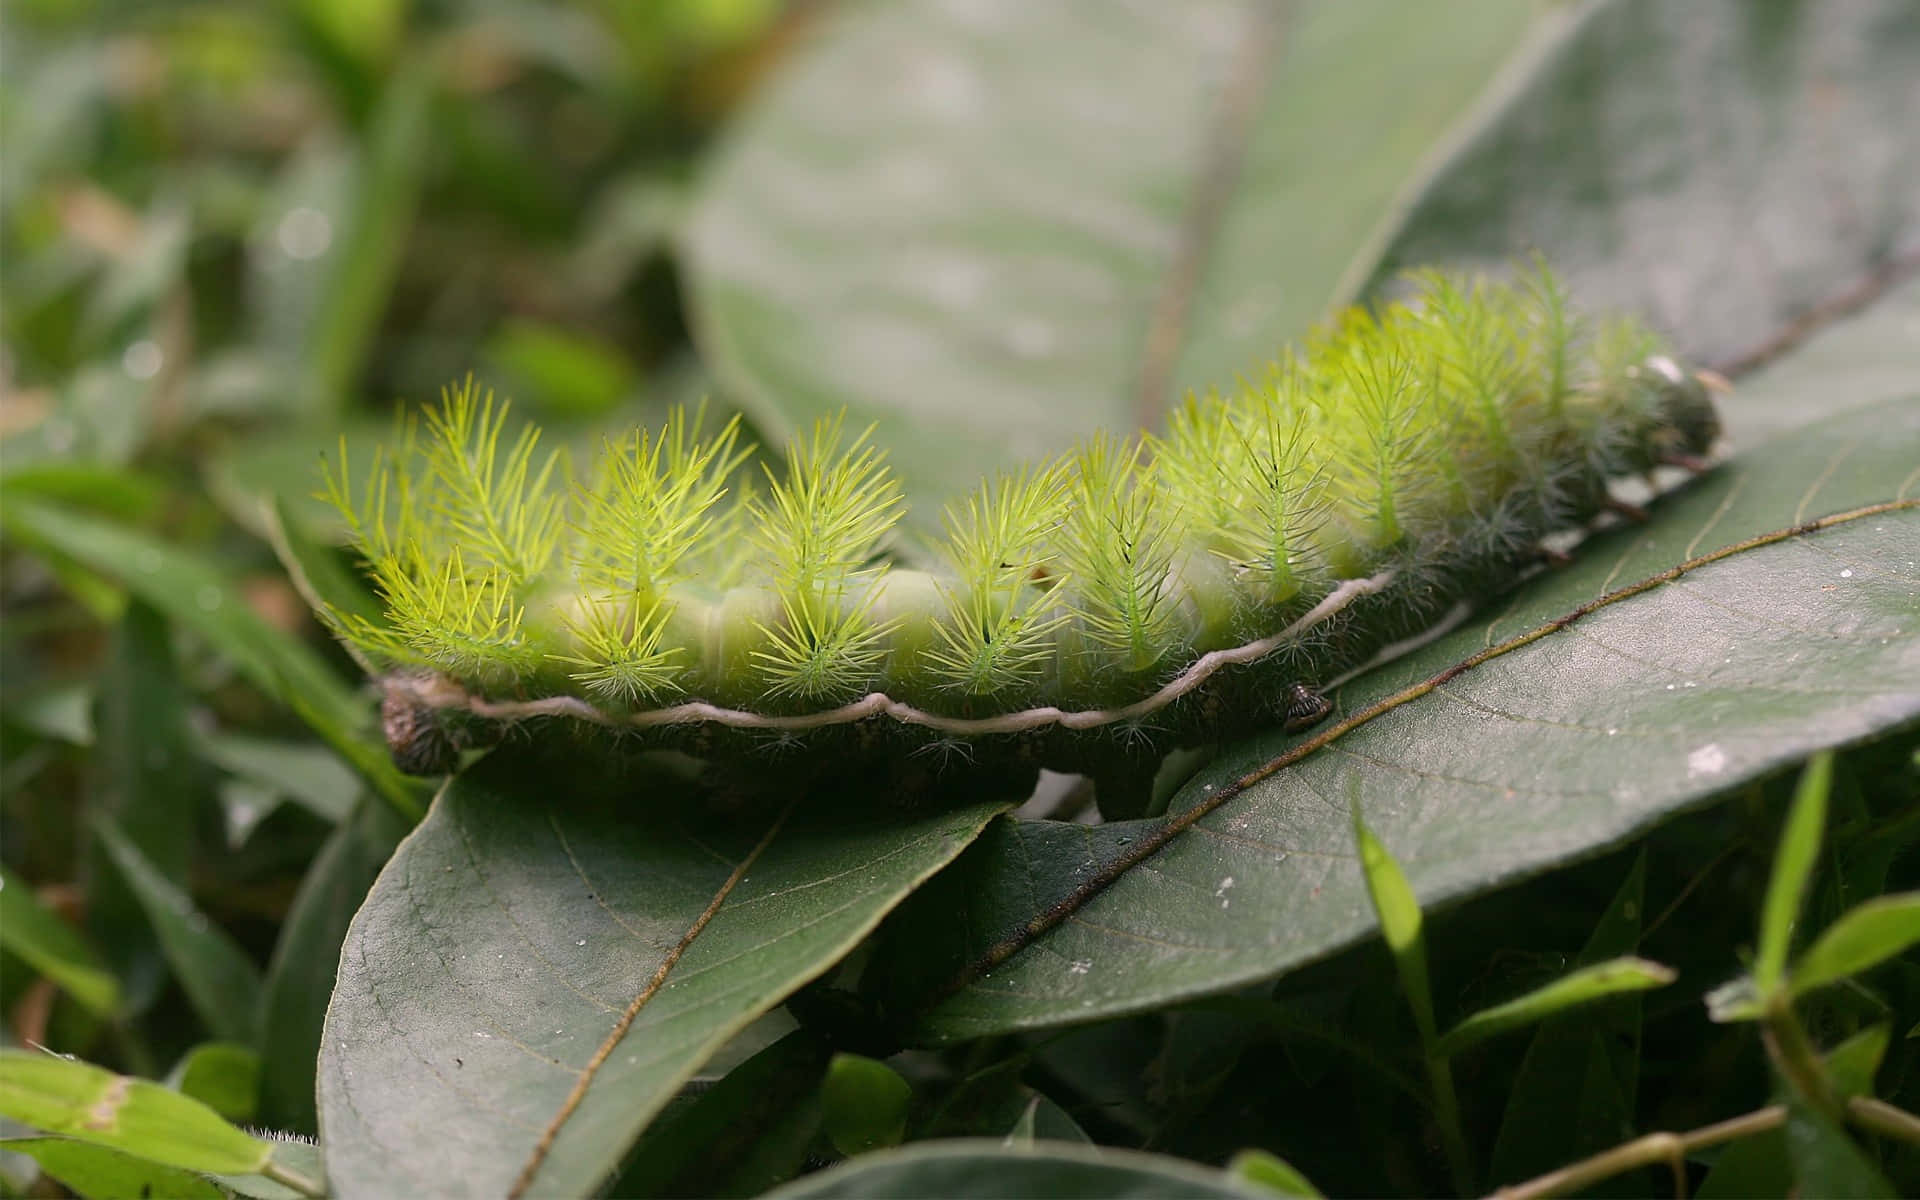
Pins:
<point x="1403" y="459"/>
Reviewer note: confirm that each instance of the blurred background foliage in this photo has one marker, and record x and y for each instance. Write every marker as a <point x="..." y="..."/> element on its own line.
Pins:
<point x="230" y="231"/>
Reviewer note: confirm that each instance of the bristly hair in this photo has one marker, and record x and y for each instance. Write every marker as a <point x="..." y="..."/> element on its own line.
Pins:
<point x="1459" y="425"/>
<point x="1002" y="610"/>
<point x="818" y="530"/>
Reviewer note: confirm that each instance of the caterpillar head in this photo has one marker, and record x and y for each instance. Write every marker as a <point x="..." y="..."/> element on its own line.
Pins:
<point x="1686" y="422"/>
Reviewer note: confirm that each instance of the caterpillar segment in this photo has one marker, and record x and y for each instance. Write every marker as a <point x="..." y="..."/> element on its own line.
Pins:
<point x="1089" y="614"/>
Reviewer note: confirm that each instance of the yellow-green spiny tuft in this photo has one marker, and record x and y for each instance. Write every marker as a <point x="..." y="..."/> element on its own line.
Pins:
<point x="1402" y="459"/>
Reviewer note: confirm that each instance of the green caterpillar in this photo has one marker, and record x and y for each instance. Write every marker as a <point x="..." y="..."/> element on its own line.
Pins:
<point x="1088" y="613"/>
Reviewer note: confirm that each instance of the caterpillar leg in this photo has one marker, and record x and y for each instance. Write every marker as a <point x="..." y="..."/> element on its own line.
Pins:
<point x="1305" y="708"/>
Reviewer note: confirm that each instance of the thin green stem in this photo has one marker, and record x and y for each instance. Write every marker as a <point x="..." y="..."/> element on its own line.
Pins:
<point x="288" y="1177"/>
<point x="1794" y="1057"/>
<point x="1446" y="1110"/>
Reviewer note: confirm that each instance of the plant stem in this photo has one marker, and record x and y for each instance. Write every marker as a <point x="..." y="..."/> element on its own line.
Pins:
<point x="1446" y="1110"/>
<point x="288" y="1177"/>
<point x="1794" y="1056"/>
<point x="1884" y="1119"/>
<point x="1864" y="1111"/>
<point x="1645" y="1151"/>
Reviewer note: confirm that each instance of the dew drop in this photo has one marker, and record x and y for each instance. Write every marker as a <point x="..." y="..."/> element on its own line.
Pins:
<point x="208" y="598"/>
<point x="581" y="942"/>
<point x="1847" y="574"/>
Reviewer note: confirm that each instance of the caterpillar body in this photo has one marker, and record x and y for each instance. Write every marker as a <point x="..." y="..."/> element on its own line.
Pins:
<point x="1089" y="613"/>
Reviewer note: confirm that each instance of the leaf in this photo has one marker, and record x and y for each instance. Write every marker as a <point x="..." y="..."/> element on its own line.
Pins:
<point x="1583" y="986"/>
<point x="1719" y="167"/>
<point x="293" y="998"/>
<point x="1826" y="1162"/>
<point x="954" y="223"/>
<point x="293" y="1160"/>
<point x="1792" y="875"/>
<point x="212" y="969"/>
<point x="1575" y="1091"/>
<point x="988" y="1170"/>
<point x="89" y="1170"/>
<point x="54" y="948"/>
<point x="222" y="1076"/>
<point x="137" y="1116"/>
<point x="1400" y="923"/>
<point x="198" y="597"/>
<point x="554" y="924"/>
<point x="1553" y="751"/>
<point x="690" y="1149"/>
<point x="1864" y="937"/>
<point x="148" y="778"/>
<point x="1271" y="1173"/>
<point x="370" y="241"/>
<point x="863" y="1104"/>
<point x="312" y="775"/>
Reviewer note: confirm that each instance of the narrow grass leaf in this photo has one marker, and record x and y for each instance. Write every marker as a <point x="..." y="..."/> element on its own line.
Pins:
<point x="1792" y="872"/>
<point x="1581" y="987"/>
<point x="1400" y="921"/>
<point x="216" y="974"/>
<point x="300" y="975"/>
<point x="54" y="948"/>
<point x="1862" y="938"/>
<point x="196" y="595"/>
<point x="138" y="1116"/>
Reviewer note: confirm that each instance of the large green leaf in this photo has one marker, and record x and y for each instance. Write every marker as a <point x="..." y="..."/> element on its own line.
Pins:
<point x="555" y="926"/>
<point x="996" y="228"/>
<point x="1559" y="749"/>
<point x="988" y="1169"/>
<point x="1719" y="166"/>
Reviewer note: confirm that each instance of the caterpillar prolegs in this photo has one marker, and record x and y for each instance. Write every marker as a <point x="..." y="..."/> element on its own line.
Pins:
<point x="1087" y="613"/>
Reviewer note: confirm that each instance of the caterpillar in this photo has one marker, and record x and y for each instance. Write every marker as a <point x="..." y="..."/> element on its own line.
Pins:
<point x="1088" y="613"/>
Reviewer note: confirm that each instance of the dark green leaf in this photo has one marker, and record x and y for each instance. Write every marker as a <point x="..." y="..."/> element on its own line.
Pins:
<point x="1719" y="166"/>
<point x="554" y="922"/>
<point x="137" y="1116"/>
<point x="1575" y="1093"/>
<point x="54" y="948"/>
<point x="1863" y="938"/>
<point x="1553" y="751"/>
<point x="212" y="969"/>
<point x="985" y="1170"/>
<point x="963" y="230"/>
<point x="691" y="1149"/>
<point x="1826" y="1162"/>
<point x="293" y="1001"/>
<point x="149" y="781"/>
